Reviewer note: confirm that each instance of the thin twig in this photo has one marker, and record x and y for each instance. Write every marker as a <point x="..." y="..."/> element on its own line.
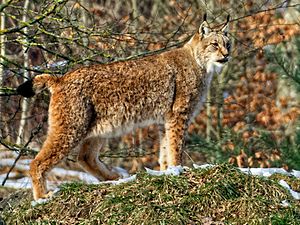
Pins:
<point x="21" y="150"/>
<point x="7" y="91"/>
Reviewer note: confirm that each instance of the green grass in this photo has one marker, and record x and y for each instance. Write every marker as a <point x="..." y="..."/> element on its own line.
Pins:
<point x="219" y="194"/>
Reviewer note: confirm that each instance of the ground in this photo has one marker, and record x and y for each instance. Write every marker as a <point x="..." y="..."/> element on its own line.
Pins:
<point x="218" y="195"/>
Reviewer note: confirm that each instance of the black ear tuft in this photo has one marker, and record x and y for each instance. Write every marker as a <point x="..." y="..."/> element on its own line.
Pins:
<point x="26" y="89"/>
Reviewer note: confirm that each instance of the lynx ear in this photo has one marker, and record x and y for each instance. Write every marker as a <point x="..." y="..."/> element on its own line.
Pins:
<point x="204" y="28"/>
<point x="225" y="28"/>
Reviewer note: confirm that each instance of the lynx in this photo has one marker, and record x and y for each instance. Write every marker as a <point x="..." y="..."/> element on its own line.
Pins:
<point x="96" y="102"/>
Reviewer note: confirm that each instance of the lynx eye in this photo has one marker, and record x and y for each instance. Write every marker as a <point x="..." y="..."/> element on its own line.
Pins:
<point x="216" y="45"/>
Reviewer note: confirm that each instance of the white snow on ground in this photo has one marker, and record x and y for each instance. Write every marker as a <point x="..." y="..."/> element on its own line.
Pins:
<point x="120" y="181"/>
<point x="296" y="173"/>
<point x="21" y="165"/>
<point x="40" y="201"/>
<point x="56" y="190"/>
<point x="265" y="172"/>
<point x="122" y="172"/>
<point x="25" y="182"/>
<point x="295" y="194"/>
<point x="204" y="166"/>
<point x="172" y="170"/>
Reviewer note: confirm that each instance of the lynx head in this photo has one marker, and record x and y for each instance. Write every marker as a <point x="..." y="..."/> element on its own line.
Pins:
<point x="211" y="46"/>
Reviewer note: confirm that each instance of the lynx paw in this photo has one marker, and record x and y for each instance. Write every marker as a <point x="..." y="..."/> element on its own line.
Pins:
<point x="46" y="198"/>
<point x="40" y="201"/>
<point x="122" y="172"/>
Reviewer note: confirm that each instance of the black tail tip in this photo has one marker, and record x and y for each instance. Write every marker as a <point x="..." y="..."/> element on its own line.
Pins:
<point x="26" y="89"/>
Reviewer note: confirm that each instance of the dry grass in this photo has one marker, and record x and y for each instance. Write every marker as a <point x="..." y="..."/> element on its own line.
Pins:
<point x="219" y="195"/>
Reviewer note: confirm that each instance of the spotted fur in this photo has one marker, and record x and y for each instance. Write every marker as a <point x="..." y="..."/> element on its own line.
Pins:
<point x="97" y="102"/>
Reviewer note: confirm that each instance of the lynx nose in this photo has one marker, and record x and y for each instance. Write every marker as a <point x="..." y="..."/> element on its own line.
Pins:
<point x="224" y="59"/>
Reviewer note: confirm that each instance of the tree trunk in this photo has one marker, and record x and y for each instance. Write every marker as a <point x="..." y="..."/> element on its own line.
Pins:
<point x="2" y="52"/>
<point x="25" y="102"/>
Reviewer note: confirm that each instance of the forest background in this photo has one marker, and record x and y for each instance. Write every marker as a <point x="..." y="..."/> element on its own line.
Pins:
<point x="251" y="115"/>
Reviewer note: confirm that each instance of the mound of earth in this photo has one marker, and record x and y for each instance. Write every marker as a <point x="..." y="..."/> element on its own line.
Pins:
<point x="218" y="195"/>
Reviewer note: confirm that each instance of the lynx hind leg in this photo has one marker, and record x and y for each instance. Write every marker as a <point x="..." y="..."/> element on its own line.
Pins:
<point x="67" y="128"/>
<point x="56" y="147"/>
<point x="88" y="159"/>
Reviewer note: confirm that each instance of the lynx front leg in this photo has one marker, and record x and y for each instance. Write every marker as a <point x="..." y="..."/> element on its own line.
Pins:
<point x="175" y="130"/>
<point x="163" y="154"/>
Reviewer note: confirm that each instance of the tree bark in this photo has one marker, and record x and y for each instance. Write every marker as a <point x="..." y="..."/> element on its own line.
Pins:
<point x="25" y="102"/>
<point x="2" y="52"/>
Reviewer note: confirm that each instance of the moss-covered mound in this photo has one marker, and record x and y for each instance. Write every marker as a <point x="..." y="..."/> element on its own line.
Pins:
<point x="219" y="195"/>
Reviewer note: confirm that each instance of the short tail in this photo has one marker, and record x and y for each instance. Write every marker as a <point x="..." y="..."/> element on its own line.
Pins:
<point x="31" y="87"/>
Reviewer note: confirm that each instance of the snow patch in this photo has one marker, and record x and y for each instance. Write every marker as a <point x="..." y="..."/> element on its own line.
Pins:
<point x="285" y="203"/>
<point x="204" y="166"/>
<point x="295" y="194"/>
<point x="172" y="170"/>
<point x="25" y="182"/>
<point x="40" y="201"/>
<point x="122" y="172"/>
<point x="120" y="181"/>
<point x="296" y="173"/>
<point x="265" y="172"/>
